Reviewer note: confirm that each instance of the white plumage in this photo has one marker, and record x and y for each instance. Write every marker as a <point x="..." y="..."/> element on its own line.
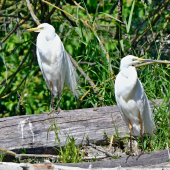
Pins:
<point x="131" y="99"/>
<point x="54" y="61"/>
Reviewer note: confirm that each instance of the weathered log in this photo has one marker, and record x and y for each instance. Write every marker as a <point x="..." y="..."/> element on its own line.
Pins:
<point x="155" y="160"/>
<point x="30" y="131"/>
<point x="144" y="161"/>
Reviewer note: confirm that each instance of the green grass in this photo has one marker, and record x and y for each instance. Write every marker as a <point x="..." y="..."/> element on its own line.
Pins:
<point x="69" y="153"/>
<point x="2" y="154"/>
<point x="162" y="135"/>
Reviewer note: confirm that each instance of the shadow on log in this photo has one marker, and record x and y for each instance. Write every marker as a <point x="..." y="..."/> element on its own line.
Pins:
<point x="154" y="160"/>
<point x="30" y="131"/>
<point x="145" y="160"/>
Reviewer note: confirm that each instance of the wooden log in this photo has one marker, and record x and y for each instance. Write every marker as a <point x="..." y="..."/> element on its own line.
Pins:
<point x="149" y="160"/>
<point x="157" y="160"/>
<point x="30" y="131"/>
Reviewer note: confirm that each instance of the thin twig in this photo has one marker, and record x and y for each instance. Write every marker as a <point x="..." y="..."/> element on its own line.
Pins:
<point x="157" y="16"/>
<point x="2" y="4"/>
<point x="73" y="23"/>
<point x="32" y="12"/>
<point x="25" y="156"/>
<point x="88" y="63"/>
<point x="158" y="34"/>
<point x="78" y="5"/>
<point x="11" y="7"/>
<point x="81" y="71"/>
<point x="84" y="75"/>
<point x="96" y="157"/>
<point x="52" y="11"/>
<point x="111" y="142"/>
<point x="149" y="17"/>
<point x="88" y="91"/>
<point x="118" y="34"/>
<point x="101" y="150"/>
<point x="18" y="69"/>
<point x="7" y="95"/>
<point x="15" y="28"/>
<point x="113" y="7"/>
<point x="5" y="64"/>
<point x="11" y="16"/>
<point x="3" y="81"/>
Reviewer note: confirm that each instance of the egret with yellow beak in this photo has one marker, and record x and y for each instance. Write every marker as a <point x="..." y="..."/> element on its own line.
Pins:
<point x="131" y="99"/>
<point x="54" y="61"/>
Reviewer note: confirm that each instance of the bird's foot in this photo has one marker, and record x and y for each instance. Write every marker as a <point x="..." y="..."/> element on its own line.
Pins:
<point x="59" y="110"/>
<point x="131" y="154"/>
<point x="54" y="111"/>
<point x="140" y="155"/>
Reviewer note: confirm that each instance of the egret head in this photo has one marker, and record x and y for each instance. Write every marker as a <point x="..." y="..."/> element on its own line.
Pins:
<point x="46" y="29"/>
<point x="130" y="60"/>
<point x="42" y="27"/>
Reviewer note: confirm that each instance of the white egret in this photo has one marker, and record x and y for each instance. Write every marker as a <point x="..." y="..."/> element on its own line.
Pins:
<point x="131" y="99"/>
<point x="54" y="61"/>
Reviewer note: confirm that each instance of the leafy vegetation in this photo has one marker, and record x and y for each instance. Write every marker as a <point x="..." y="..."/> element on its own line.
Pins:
<point x="69" y="153"/>
<point x="142" y="31"/>
<point x="2" y="156"/>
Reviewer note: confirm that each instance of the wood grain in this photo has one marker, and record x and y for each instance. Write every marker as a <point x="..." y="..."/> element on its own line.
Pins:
<point x="146" y="160"/>
<point x="30" y="131"/>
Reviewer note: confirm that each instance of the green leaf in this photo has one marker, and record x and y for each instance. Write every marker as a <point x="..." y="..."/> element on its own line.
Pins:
<point x="130" y="17"/>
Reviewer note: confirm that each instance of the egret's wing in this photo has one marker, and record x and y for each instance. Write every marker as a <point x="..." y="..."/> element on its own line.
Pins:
<point x="41" y="68"/>
<point x="121" y="111"/>
<point x="145" y="110"/>
<point x="71" y="77"/>
<point x="148" y="117"/>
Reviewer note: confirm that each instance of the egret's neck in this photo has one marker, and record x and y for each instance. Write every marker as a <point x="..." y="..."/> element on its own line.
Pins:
<point x="44" y="42"/>
<point x="46" y="36"/>
<point x="131" y="74"/>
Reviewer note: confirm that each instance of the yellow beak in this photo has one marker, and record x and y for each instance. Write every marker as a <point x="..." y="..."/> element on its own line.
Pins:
<point x="145" y="60"/>
<point x="34" y="29"/>
<point x="150" y="61"/>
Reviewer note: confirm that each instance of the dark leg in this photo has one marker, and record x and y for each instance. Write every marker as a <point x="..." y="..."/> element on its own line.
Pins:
<point x="58" y="110"/>
<point x="52" y="100"/>
<point x="130" y="128"/>
<point x="141" y="127"/>
<point x="58" y="96"/>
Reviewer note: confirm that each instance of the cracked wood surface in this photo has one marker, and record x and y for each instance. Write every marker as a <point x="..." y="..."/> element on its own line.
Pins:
<point x="30" y="131"/>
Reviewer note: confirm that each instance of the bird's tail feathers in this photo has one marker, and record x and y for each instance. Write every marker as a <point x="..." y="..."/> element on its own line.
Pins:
<point x="71" y="78"/>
